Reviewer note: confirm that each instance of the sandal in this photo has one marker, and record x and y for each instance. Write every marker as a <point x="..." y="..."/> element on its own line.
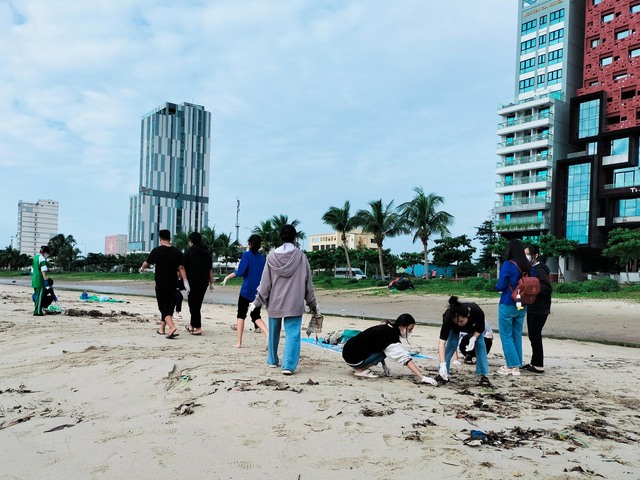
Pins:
<point x="190" y="330"/>
<point x="484" y="381"/>
<point x="365" y="374"/>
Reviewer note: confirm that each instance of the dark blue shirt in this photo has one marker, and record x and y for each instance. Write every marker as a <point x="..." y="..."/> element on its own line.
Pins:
<point x="250" y="268"/>
<point x="508" y="281"/>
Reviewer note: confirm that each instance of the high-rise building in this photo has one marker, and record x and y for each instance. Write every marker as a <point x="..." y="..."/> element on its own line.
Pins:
<point x="115" y="244"/>
<point x="534" y="125"/>
<point x="174" y="174"/>
<point x="356" y="239"/>
<point x="37" y="224"/>
<point x="598" y="188"/>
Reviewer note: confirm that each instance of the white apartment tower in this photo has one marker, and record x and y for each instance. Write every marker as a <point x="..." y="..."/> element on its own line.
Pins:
<point x="534" y="126"/>
<point x="174" y="174"/>
<point x="37" y="224"/>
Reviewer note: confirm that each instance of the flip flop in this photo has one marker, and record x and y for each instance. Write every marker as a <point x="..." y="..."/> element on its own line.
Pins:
<point x="160" y="333"/>
<point x="173" y="335"/>
<point x="195" y="334"/>
<point x="186" y="327"/>
<point x="365" y="374"/>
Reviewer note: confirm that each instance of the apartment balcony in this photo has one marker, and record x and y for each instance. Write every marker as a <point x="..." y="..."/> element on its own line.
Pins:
<point x="533" y="101"/>
<point x="530" y="162"/>
<point x="540" y="140"/>
<point x="615" y="159"/>
<point x="628" y="184"/>
<point x="523" y="224"/>
<point x="530" y="121"/>
<point x="522" y="184"/>
<point x="523" y="204"/>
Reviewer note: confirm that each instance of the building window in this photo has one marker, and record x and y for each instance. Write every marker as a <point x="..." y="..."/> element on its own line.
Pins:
<point x="595" y="42"/>
<point x="589" y="118"/>
<point x="592" y="148"/>
<point x="626" y="177"/>
<point x="607" y="18"/>
<point x="619" y="77"/>
<point x="622" y="34"/>
<point x="528" y="27"/>
<point x="620" y="146"/>
<point x="509" y="160"/>
<point x="556" y="36"/>
<point x="634" y="53"/>
<point x="543" y="20"/>
<point x="578" y="197"/>
<point x="635" y="8"/>
<point x="527" y="85"/>
<point x="555" y="57"/>
<point x="597" y="2"/>
<point x="528" y="46"/>
<point x="629" y="207"/>
<point x="527" y="65"/>
<point x="541" y="59"/>
<point x="556" y="17"/>
<point x="606" y="61"/>
<point x="540" y="79"/>
<point x="542" y="40"/>
<point x="554" y="77"/>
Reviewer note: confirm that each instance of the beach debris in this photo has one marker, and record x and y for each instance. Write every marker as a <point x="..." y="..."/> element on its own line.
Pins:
<point x="20" y="389"/>
<point x="509" y="439"/>
<point x="426" y="423"/>
<point x="311" y="382"/>
<point x="599" y="428"/>
<point x="15" y="421"/>
<point x="60" y="427"/>
<point x="368" y="412"/>
<point x="186" y="408"/>
<point x="414" y="436"/>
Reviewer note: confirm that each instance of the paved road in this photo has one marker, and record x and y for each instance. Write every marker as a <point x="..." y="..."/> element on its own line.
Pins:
<point x="608" y="321"/>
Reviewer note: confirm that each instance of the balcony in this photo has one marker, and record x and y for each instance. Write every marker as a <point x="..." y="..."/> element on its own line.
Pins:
<point x="615" y="159"/>
<point x="523" y="204"/>
<point x="539" y="140"/>
<point x="523" y="224"/>
<point x="627" y="184"/>
<point x="523" y="101"/>
<point x="547" y="159"/>
<point x="526" y="119"/>
<point x="544" y="181"/>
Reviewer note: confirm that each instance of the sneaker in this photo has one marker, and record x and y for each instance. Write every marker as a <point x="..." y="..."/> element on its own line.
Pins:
<point x="504" y="370"/>
<point x="272" y="366"/>
<point x="484" y="381"/>
<point x="365" y="374"/>
<point x="287" y="372"/>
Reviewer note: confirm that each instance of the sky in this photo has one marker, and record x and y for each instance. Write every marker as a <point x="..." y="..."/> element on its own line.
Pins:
<point x="313" y="103"/>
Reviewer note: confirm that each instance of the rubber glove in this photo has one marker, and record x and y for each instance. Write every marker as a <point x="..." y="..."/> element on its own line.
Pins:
<point x="252" y="307"/>
<point x="187" y="287"/>
<point x="456" y="363"/>
<point x="224" y="282"/>
<point x="472" y="344"/>
<point x="429" y="381"/>
<point x="387" y="371"/>
<point x="442" y="370"/>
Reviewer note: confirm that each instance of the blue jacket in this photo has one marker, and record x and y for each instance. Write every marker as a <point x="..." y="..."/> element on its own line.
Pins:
<point x="250" y="268"/>
<point x="508" y="280"/>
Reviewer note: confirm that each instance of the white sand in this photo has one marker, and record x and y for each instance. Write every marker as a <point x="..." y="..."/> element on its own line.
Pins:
<point x="118" y="386"/>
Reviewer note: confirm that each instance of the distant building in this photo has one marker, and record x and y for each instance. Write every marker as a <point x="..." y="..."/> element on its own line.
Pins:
<point x="115" y="244"/>
<point x="330" y="241"/>
<point x="37" y="224"/>
<point x="174" y="174"/>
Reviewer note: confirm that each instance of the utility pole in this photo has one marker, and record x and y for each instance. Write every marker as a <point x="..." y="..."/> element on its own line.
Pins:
<point x="237" y="220"/>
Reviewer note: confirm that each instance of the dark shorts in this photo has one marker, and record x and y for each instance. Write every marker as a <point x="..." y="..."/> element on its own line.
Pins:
<point x="166" y="302"/>
<point x="243" y="308"/>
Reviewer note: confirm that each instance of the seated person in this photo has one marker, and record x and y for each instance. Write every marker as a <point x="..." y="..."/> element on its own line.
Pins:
<point x="464" y="341"/>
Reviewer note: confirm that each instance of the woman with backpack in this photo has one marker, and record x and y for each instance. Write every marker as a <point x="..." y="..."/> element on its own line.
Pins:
<point x="538" y="311"/>
<point x="510" y="315"/>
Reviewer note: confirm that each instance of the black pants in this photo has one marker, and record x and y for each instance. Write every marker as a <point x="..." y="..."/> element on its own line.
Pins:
<point x="196" y="296"/>
<point x="535" y="324"/>
<point x="179" y="299"/>
<point x="469" y="355"/>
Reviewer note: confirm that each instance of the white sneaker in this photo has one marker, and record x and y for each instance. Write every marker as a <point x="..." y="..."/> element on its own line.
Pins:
<point x="272" y="366"/>
<point x="287" y="372"/>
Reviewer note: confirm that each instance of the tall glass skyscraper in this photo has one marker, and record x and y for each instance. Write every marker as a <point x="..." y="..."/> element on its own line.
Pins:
<point x="175" y="148"/>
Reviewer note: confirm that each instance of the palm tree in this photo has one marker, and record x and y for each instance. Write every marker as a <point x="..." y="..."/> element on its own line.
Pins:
<point x="181" y="241"/>
<point x="420" y="215"/>
<point x="342" y="222"/>
<point x="64" y="251"/>
<point x="278" y="221"/>
<point x="266" y="232"/>
<point x="381" y="222"/>
<point x="209" y="239"/>
<point x="227" y="248"/>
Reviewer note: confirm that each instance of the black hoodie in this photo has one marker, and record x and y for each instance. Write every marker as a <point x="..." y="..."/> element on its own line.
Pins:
<point x="198" y="263"/>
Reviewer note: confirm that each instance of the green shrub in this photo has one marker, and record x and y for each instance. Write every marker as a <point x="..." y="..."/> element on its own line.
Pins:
<point x="475" y="283"/>
<point x="566" y="287"/>
<point x="600" y="285"/>
<point x="381" y="283"/>
<point x="491" y="285"/>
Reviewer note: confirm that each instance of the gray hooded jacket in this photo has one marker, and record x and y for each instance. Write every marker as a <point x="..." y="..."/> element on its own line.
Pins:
<point x="286" y="283"/>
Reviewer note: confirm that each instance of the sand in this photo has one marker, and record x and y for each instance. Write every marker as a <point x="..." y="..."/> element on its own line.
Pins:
<point x="101" y="395"/>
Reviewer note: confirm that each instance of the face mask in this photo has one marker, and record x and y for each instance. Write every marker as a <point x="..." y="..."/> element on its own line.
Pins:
<point x="529" y="258"/>
<point x="406" y="335"/>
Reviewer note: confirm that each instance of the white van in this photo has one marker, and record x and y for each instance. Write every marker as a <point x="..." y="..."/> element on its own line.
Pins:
<point x="344" y="273"/>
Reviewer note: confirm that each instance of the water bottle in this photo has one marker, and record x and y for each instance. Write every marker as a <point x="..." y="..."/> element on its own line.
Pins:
<point x="519" y="301"/>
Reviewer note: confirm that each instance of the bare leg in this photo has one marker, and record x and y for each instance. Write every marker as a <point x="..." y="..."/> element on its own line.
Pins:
<point x="172" y="327"/>
<point x="263" y="326"/>
<point x="240" y="330"/>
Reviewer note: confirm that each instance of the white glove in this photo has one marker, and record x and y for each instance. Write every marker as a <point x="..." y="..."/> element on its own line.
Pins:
<point x="252" y="307"/>
<point x="140" y="270"/>
<point x="442" y="370"/>
<point x="187" y="287"/>
<point x="472" y="344"/>
<point x="456" y="363"/>
<point x="429" y="381"/>
<point x="224" y="282"/>
<point x="387" y="371"/>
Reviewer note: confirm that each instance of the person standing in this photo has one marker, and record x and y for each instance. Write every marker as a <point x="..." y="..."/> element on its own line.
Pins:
<point x="198" y="264"/>
<point x="374" y="344"/>
<point x="250" y="269"/>
<point x="39" y="279"/>
<point x="538" y="311"/>
<point x="168" y="260"/>
<point x="511" y="316"/>
<point x="286" y="284"/>
<point x="465" y="317"/>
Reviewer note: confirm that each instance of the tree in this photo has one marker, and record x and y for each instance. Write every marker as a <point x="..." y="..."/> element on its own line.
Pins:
<point x="322" y="259"/>
<point x="278" y="221"/>
<point x="451" y="250"/>
<point x="11" y="259"/>
<point x="227" y="248"/>
<point x="63" y="251"/>
<point x="381" y="222"/>
<point x="267" y="233"/>
<point x="487" y="236"/>
<point x="410" y="259"/>
<point x="181" y="240"/>
<point x="342" y="222"/>
<point x="551" y="246"/>
<point x="421" y="216"/>
<point x="209" y="238"/>
<point x="624" y="244"/>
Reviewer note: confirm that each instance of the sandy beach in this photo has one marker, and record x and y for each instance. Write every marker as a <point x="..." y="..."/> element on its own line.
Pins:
<point x="96" y="393"/>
